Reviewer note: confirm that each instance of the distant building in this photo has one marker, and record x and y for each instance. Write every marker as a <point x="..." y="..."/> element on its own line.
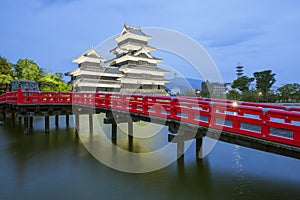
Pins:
<point x="133" y="70"/>
<point x="215" y="88"/>
<point x="239" y="71"/>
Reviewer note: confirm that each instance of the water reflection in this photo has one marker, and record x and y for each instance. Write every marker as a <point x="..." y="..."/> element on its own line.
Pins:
<point x="57" y="166"/>
<point x="241" y="188"/>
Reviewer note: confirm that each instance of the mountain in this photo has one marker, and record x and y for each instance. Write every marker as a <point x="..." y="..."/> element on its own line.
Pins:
<point x="181" y="85"/>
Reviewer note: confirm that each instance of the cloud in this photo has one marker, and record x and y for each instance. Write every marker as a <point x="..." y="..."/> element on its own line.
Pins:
<point x="225" y="38"/>
<point x="255" y="33"/>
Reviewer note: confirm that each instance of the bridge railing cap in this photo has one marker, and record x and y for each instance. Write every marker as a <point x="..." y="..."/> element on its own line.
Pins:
<point x="265" y="110"/>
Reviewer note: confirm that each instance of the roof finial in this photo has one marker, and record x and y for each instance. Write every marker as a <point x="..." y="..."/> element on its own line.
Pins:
<point x="92" y="46"/>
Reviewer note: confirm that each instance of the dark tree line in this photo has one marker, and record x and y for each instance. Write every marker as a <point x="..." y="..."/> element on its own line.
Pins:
<point x="262" y="93"/>
<point x="27" y="69"/>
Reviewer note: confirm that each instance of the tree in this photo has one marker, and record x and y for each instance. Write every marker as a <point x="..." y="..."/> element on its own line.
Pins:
<point x="242" y="83"/>
<point x="6" y="75"/>
<point x="54" y="82"/>
<point x="206" y="93"/>
<point x="264" y="81"/>
<point x="289" y="91"/>
<point x="250" y="95"/>
<point x="233" y="95"/>
<point x="27" y="69"/>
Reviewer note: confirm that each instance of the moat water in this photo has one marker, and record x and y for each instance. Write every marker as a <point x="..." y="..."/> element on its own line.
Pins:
<point x="58" y="166"/>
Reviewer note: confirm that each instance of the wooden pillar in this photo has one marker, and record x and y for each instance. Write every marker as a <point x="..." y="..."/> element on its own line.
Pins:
<point x="56" y="120"/>
<point x="199" y="142"/>
<point x="4" y="115"/>
<point x="114" y="131"/>
<point x="13" y="119"/>
<point x="91" y="125"/>
<point x="20" y="120"/>
<point x="31" y="122"/>
<point x="130" y="129"/>
<point x="25" y="130"/>
<point x="180" y="149"/>
<point x="67" y="120"/>
<point x="130" y="136"/>
<point x="77" y="124"/>
<point x="47" y="124"/>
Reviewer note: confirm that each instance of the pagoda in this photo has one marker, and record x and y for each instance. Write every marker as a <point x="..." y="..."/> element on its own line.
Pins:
<point x="139" y="68"/>
<point x="133" y="70"/>
<point x="92" y="76"/>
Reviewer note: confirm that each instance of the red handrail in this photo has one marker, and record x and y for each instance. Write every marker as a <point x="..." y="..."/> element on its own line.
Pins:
<point x="257" y="120"/>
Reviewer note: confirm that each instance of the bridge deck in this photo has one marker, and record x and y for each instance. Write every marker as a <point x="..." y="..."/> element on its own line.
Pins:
<point x="263" y="126"/>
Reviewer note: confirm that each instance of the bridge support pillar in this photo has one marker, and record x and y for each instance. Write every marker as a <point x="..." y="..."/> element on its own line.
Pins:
<point x="77" y="124"/>
<point x="114" y="132"/>
<point x="56" y="120"/>
<point x="130" y="136"/>
<point x="199" y="142"/>
<point x="25" y="130"/>
<point x="67" y="120"/>
<point x="4" y="115"/>
<point x="91" y="125"/>
<point x="180" y="149"/>
<point x="130" y="130"/>
<point x="47" y="124"/>
<point x="31" y="122"/>
<point x="13" y="119"/>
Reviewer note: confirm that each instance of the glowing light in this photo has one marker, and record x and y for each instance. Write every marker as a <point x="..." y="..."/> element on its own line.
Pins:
<point x="235" y="104"/>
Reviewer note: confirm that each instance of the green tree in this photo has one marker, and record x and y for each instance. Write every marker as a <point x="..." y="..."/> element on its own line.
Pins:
<point x="264" y="81"/>
<point x="250" y="95"/>
<point x="54" y="82"/>
<point x="6" y="74"/>
<point x="289" y="91"/>
<point x="206" y="93"/>
<point x="27" y="69"/>
<point x="242" y="83"/>
<point x="233" y="95"/>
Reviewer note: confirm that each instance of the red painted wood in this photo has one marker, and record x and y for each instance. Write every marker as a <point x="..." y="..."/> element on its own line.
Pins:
<point x="185" y="109"/>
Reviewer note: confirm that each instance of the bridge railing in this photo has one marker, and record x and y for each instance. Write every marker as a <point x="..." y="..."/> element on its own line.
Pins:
<point x="37" y="97"/>
<point x="269" y="124"/>
<point x="9" y="97"/>
<point x="3" y="98"/>
<point x="265" y="121"/>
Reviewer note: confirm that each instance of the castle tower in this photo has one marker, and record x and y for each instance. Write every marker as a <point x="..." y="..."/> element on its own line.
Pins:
<point x="140" y="71"/>
<point x="91" y="76"/>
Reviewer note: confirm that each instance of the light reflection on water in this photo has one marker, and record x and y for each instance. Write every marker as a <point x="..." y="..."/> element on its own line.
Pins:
<point x="57" y="166"/>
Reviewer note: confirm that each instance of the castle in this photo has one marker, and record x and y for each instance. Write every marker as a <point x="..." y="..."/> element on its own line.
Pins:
<point x="133" y="70"/>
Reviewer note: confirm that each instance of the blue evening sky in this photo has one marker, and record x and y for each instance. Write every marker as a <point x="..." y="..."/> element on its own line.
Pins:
<point x="258" y="34"/>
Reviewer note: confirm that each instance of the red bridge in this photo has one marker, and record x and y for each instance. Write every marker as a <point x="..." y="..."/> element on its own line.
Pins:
<point x="267" y="127"/>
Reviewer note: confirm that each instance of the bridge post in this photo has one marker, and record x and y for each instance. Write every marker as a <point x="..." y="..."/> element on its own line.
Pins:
<point x="180" y="149"/>
<point x="31" y="122"/>
<point x="13" y="119"/>
<point x="25" y="130"/>
<point x="77" y="124"/>
<point x="4" y="115"/>
<point x="56" y="120"/>
<point x="47" y="122"/>
<point x="130" y="130"/>
<point x="130" y="136"/>
<point x="199" y="142"/>
<point x="91" y="125"/>
<point x="114" y="131"/>
<point x="67" y="120"/>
